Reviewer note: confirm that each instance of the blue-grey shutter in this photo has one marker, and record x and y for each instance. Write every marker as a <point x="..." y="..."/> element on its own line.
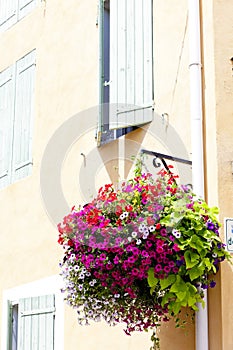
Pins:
<point x="24" y="102"/>
<point x="7" y="89"/>
<point x="36" y="323"/>
<point x="8" y="13"/>
<point x="131" y="62"/>
<point x="25" y="6"/>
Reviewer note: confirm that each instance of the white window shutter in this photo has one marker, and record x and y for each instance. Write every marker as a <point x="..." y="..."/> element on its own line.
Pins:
<point x="26" y="6"/>
<point x="22" y="145"/>
<point x="36" y="323"/>
<point x="8" y="13"/>
<point x="131" y="62"/>
<point x="7" y="88"/>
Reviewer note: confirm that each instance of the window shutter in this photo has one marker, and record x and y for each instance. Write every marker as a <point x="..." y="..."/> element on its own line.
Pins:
<point x="25" y="6"/>
<point x="36" y="323"/>
<point x="8" y="13"/>
<point x="22" y="145"/>
<point x="131" y="68"/>
<point x="7" y="82"/>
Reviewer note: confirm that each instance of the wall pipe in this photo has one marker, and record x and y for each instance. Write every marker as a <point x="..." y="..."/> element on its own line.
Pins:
<point x="195" y="68"/>
<point x="100" y="24"/>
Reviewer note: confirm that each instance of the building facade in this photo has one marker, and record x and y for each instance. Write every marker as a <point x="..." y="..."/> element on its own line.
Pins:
<point x="64" y="67"/>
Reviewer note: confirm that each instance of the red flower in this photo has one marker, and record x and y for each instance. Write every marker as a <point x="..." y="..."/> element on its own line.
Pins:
<point x="128" y="208"/>
<point x="158" y="226"/>
<point x="150" y="221"/>
<point x="118" y="210"/>
<point x="151" y="208"/>
<point x="60" y="239"/>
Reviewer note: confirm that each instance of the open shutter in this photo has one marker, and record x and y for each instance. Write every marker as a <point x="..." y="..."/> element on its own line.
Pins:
<point x="131" y="68"/>
<point x="25" y="6"/>
<point x="22" y="145"/>
<point x="8" y="13"/>
<point x="36" y="323"/>
<point x="7" y="83"/>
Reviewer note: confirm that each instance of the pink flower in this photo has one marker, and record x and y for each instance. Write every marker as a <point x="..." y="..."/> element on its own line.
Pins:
<point x="167" y="269"/>
<point x="158" y="268"/>
<point x="176" y="248"/>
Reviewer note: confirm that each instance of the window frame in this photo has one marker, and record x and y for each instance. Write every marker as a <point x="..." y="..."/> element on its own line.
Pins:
<point x="104" y="132"/>
<point x="16" y="13"/>
<point x="45" y="286"/>
<point x="19" y="116"/>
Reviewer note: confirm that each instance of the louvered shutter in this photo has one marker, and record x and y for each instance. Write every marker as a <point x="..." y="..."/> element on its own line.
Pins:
<point x="25" y="6"/>
<point x="8" y="13"/>
<point x="22" y="145"/>
<point x="36" y="323"/>
<point x="7" y="88"/>
<point x="131" y="68"/>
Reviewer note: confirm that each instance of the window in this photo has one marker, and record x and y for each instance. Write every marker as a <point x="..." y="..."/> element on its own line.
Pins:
<point x="126" y="63"/>
<point x="11" y="11"/>
<point x="33" y="316"/>
<point x="31" y="323"/>
<point x="16" y="108"/>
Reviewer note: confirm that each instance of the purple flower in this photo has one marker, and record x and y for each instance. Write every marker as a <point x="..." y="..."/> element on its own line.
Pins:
<point x="212" y="284"/>
<point x="210" y="226"/>
<point x="204" y="286"/>
<point x="179" y="262"/>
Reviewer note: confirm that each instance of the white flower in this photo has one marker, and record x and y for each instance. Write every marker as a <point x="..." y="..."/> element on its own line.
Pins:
<point x="214" y="255"/>
<point x="92" y="283"/>
<point x="124" y="215"/>
<point x="117" y="295"/>
<point x="176" y="233"/>
<point x="76" y="268"/>
<point x="129" y="239"/>
<point x="80" y="287"/>
<point x="88" y="274"/>
<point x="152" y="228"/>
<point x="134" y="234"/>
<point x="142" y="227"/>
<point x="138" y="241"/>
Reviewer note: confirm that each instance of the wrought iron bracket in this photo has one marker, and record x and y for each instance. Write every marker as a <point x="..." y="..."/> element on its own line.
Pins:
<point x="162" y="158"/>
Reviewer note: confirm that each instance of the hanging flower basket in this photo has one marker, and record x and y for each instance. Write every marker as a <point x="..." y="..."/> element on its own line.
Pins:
<point x="139" y="254"/>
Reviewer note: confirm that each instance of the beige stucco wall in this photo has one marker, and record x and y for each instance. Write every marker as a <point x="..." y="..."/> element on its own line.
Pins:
<point x="65" y="36"/>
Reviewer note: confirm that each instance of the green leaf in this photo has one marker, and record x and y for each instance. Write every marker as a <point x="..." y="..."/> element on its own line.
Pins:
<point x="214" y="210"/>
<point x="166" y="282"/>
<point x="167" y="298"/>
<point x="181" y="295"/>
<point x="191" y="301"/>
<point x="191" y="259"/>
<point x="207" y="263"/>
<point x="151" y="279"/>
<point x="196" y="243"/>
<point x="152" y="290"/>
<point x="192" y="288"/>
<point x="178" y="286"/>
<point x="175" y="307"/>
<point x="195" y="272"/>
